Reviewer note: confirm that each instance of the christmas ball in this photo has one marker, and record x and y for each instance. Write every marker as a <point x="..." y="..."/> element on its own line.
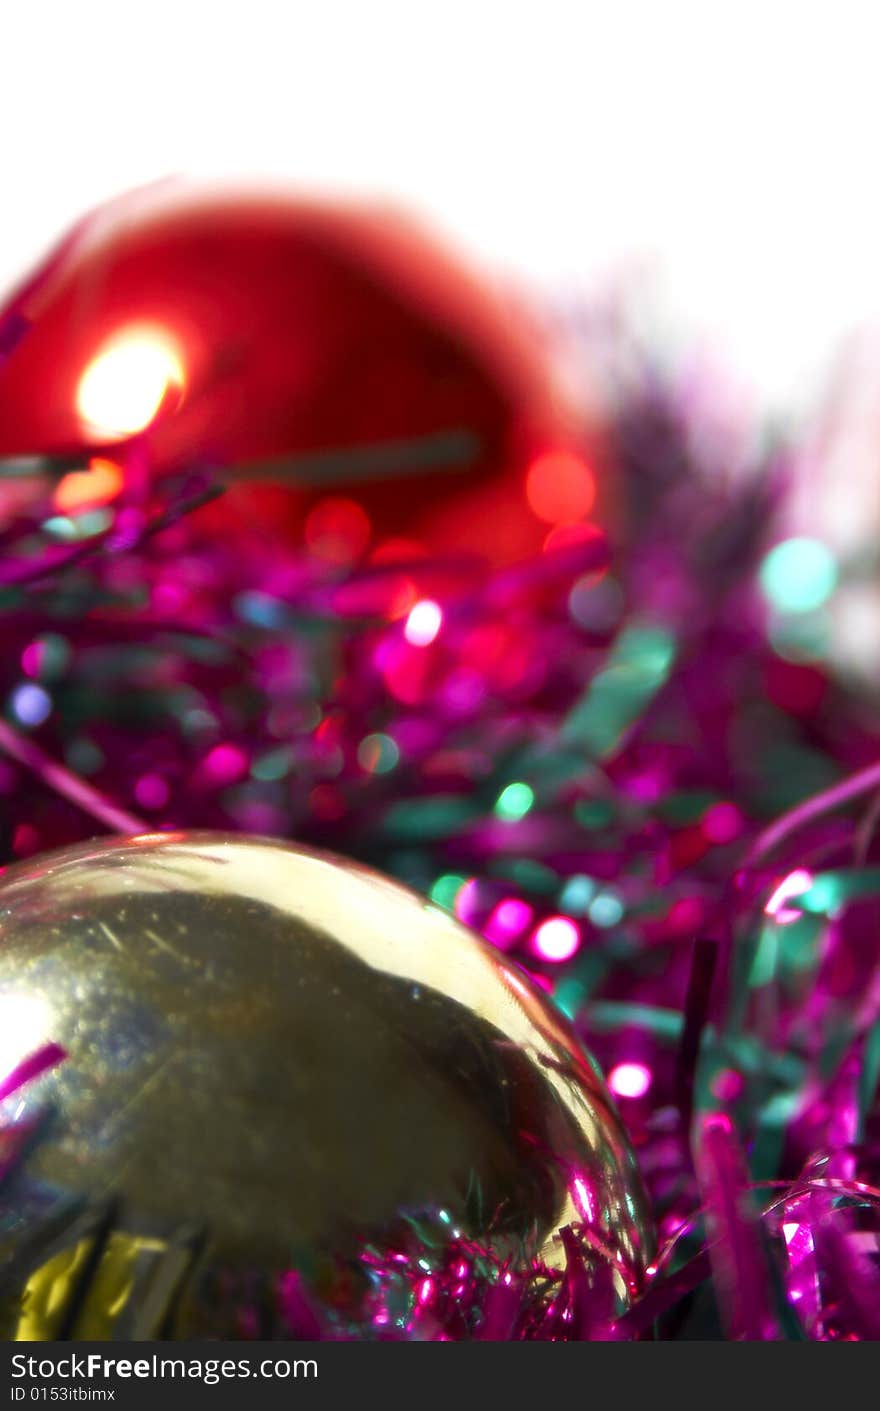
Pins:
<point x="337" y="350"/>
<point x="243" y="1084"/>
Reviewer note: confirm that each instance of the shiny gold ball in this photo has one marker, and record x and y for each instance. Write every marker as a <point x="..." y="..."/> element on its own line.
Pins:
<point x="230" y="1067"/>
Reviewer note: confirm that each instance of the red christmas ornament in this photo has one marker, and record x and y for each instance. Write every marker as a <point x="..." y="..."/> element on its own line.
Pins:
<point x="349" y="378"/>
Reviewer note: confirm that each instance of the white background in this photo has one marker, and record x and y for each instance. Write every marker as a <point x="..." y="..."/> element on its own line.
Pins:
<point x="730" y="149"/>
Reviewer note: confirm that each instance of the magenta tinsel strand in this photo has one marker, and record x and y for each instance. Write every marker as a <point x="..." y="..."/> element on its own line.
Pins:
<point x="500" y="1311"/>
<point x="849" y="1273"/>
<point x="583" y="1307"/>
<point x="843" y="793"/>
<point x="44" y="1058"/>
<point x="297" y="1314"/>
<point x="696" y="1011"/>
<point x="69" y="785"/>
<point x="735" y="1249"/>
<point x="663" y="1294"/>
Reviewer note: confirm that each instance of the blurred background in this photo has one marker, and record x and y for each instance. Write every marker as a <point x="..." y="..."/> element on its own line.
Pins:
<point x="717" y="159"/>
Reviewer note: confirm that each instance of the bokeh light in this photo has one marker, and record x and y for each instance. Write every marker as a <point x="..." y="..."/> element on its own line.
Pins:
<point x="446" y="889"/>
<point x="423" y="623"/>
<point x="556" y="939"/>
<point x="151" y="791"/>
<point x="123" y="387"/>
<point x="577" y="894"/>
<point x="378" y="754"/>
<point x="794" y="885"/>
<point x="559" y="487"/>
<point x="337" y="530"/>
<point x="514" y="802"/>
<point x="508" y="922"/>
<point x="606" y="909"/>
<point x="467" y="901"/>
<point x="596" y="603"/>
<point x="30" y="704"/>
<point x="81" y="489"/>
<point x="722" y="822"/>
<point x="629" y="1080"/>
<point x="799" y="575"/>
<point x="225" y="763"/>
<point x="47" y="657"/>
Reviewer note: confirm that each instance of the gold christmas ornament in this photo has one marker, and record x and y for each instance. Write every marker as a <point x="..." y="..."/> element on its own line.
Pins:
<point x="236" y="1076"/>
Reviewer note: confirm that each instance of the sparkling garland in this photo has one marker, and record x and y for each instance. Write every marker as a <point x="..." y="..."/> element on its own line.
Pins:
<point x="631" y="767"/>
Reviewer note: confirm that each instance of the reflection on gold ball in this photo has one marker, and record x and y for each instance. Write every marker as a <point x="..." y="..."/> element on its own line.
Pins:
<point x="227" y="1063"/>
